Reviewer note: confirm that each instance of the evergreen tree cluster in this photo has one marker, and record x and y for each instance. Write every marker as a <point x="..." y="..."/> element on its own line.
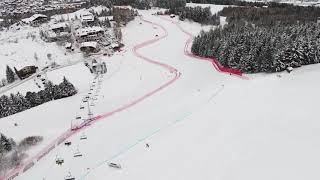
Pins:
<point x="106" y="3"/>
<point x="29" y="141"/>
<point x="6" y="144"/>
<point x="7" y="159"/>
<point x="142" y="4"/>
<point x="104" y="12"/>
<point x="10" y="75"/>
<point x="170" y="4"/>
<point x="270" y="16"/>
<point x="198" y="14"/>
<point x="139" y="4"/>
<point x="253" y="49"/>
<point x="12" y="153"/>
<point x="16" y="103"/>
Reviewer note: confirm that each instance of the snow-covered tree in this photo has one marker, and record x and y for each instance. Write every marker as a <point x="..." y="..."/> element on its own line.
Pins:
<point x="10" y="75"/>
<point x="67" y="89"/>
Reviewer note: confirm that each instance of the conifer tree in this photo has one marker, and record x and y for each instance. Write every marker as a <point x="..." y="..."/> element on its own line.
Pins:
<point x="10" y="75"/>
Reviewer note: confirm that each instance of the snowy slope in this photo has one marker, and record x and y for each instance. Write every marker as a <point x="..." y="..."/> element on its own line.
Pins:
<point x="233" y="135"/>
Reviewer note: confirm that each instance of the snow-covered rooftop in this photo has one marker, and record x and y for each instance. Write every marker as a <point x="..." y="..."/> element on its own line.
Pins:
<point x="123" y="7"/>
<point x="33" y="17"/>
<point x="89" y="30"/>
<point x="110" y="18"/>
<point x="68" y="45"/>
<point x="89" y="44"/>
<point x="86" y="16"/>
<point x="59" y="25"/>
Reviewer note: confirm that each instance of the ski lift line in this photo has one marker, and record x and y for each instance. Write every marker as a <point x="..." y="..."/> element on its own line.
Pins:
<point x="17" y="171"/>
<point x="183" y="117"/>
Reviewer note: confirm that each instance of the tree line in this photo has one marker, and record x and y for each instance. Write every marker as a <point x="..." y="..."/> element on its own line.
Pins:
<point x="139" y="4"/>
<point x="197" y="14"/>
<point x="267" y="39"/>
<point x="270" y="16"/>
<point x="253" y="49"/>
<point x="15" y="103"/>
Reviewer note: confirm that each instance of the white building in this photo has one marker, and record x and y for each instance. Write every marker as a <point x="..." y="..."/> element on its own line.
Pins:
<point x="89" y="34"/>
<point x="86" y="17"/>
<point x="34" y="19"/>
<point x="89" y="47"/>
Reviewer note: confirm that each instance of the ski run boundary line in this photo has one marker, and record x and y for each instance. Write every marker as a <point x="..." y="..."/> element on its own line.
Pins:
<point x="28" y="164"/>
<point x="216" y="64"/>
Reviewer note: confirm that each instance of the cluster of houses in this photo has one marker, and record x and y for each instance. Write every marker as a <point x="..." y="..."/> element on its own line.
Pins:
<point x="85" y="31"/>
<point x="20" y="7"/>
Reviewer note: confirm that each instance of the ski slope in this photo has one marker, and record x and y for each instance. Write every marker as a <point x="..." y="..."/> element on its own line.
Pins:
<point x="204" y="125"/>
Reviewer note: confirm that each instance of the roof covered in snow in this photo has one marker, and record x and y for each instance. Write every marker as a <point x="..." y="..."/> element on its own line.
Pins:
<point x="86" y="16"/>
<point x="89" y="44"/>
<point x="104" y="18"/>
<point x="33" y="18"/>
<point x="59" y="25"/>
<point x="123" y="7"/>
<point x="68" y="45"/>
<point x="89" y="30"/>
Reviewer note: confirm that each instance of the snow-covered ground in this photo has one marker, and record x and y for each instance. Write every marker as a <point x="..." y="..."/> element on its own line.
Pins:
<point x="19" y="49"/>
<point x="206" y="125"/>
<point x="21" y="46"/>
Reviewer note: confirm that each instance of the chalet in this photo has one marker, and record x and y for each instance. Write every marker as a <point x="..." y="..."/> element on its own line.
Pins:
<point x="35" y="19"/>
<point x="60" y="27"/>
<point x="87" y="18"/>
<point x="89" y="47"/>
<point x="58" y="31"/>
<point x="26" y="71"/>
<point x="89" y="34"/>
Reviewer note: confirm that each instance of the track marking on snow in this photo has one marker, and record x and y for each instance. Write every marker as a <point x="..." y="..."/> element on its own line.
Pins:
<point x="183" y="117"/>
<point x="55" y="143"/>
<point x="216" y="64"/>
